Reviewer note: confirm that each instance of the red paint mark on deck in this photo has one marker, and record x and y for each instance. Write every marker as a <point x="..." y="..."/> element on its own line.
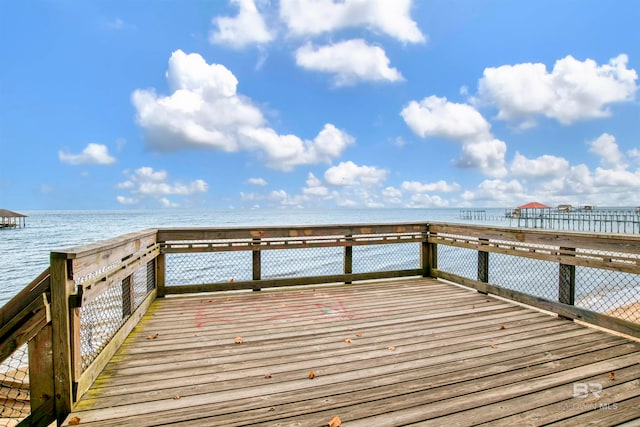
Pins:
<point x="307" y="309"/>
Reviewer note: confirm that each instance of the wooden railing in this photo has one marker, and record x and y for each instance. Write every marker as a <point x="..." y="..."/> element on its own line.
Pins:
<point x="77" y="313"/>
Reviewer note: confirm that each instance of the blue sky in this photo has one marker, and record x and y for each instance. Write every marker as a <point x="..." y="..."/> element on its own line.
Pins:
<point x="318" y="103"/>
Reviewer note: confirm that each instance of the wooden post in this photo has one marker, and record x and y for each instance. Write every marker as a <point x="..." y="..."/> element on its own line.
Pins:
<point x="483" y="262"/>
<point x="62" y="286"/>
<point x="151" y="275"/>
<point x="567" y="279"/>
<point x="128" y="303"/>
<point x="348" y="257"/>
<point x="161" y="271"/>
<point x="256" y="256"/>
<point x="426" y="255"/>
<point x="41" y="378"/>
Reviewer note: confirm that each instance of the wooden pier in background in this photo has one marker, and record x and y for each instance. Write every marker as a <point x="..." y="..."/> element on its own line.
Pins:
<point x="593" y="220"/>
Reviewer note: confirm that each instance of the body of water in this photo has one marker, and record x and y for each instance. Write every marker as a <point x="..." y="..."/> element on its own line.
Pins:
<point x="24" y="252"/>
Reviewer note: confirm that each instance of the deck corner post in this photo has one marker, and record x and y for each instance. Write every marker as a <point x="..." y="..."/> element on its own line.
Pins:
<point x="426" y="254"/>
<point x="567" y="279"/>
<point x="348" y="257"/>
<point x="256" y="257"/>
<point x="483" y="262"/>
<point x="62" y="286"/>
<point x="128" y="303"/>
<point x="161" y="272"/>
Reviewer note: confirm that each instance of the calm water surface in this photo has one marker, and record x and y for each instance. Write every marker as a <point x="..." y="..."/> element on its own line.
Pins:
<point x="24" y="252"/>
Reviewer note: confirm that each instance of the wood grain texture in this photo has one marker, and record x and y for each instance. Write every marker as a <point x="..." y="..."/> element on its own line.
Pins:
<point x="385" y="353"/>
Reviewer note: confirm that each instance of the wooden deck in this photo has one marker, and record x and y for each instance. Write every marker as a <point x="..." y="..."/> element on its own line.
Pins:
<point x="383" y="354"/>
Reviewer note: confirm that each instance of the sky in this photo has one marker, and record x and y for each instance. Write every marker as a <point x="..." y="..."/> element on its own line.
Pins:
<point x="147" y="104"/>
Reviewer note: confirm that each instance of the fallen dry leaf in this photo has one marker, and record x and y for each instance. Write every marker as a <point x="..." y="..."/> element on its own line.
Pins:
<point x="347" y="340"/>
<point x="359" y="334"/>
<point x="335" y="422"/>
<point x="612" y="376"/>
<point x="502" y="327"/>
<point x="391" y="348"/>
<point x="74" y="421"/>
<point x="152" y="337"/>
<point x="238" y="340"/>
<point x="494" y="345"/>
<point x="312" y="375"/>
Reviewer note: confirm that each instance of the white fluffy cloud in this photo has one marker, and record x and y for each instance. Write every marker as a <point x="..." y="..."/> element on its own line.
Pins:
<point x="349" y="173"/>
<point x="247" y="28"/>
<point x="422" y="200"/>
<point x="545" y="166"/>
<point x="487" y="155"/>
<point x="349" y="61"/>
<point x="92" y="154"/>
<point x="261" y="182"/>
<point x="313" y="17"/>
<point x="434" y="116"/>
<point x="315" y="187"/>
<point x="284" y="152"/>
<point x="147" y="182"/>
<point x="572" y="91"/>
<point x="439" y="186"/>
<point x="496" y="192"/>
<point x="606" y="147"/>
<point x="392" y="195"/>
<point x="205" y="110"/>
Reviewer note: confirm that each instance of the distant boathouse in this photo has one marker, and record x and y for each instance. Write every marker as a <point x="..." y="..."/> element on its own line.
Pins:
<point x="9" y="219"/>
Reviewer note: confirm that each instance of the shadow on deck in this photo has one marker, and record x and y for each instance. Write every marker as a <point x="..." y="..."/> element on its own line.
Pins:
<point x="387" y="353"/>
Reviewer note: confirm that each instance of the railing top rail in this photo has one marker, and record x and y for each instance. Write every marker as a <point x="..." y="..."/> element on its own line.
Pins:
<point x="101" y="246"/>
<point x="252" y="232"/>
<point x="22" y="300"/>
<point x="597" y="241"/>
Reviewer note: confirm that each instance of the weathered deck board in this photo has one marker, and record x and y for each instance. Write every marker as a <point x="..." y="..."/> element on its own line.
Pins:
<point x="384" y="354"/>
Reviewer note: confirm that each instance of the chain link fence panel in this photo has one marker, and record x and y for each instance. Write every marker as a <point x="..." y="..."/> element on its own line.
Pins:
<point x="531" y="276"/>
<point x="460" y="261"/>
<point x="207" y="267"/>
<point x="102" y="317"/>
<point x="304" y="262"/>
<point x="14" y="387"/>
<point x="610" y="292"/>
<point x="387" y="257"/>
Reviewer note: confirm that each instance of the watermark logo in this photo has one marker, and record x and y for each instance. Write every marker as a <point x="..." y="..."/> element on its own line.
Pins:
<point x="583" y="390"/>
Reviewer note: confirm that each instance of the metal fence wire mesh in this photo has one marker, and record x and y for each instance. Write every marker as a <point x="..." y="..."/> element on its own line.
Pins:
<point x="304" y="262"/>
<point x="207" y="267"/>
<point x="101" y="318"/>
<point x="14" y="387"/>
<point x="531" y="276"/>
<point x="610" y="292"/>
<point x="460" y="261"/>
<point x="401" y="256"/>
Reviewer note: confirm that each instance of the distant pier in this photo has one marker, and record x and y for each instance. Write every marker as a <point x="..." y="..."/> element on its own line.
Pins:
<point x="478" y="215"/>
<point x="10" y="219"/>
<point x="602" y="220"/>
